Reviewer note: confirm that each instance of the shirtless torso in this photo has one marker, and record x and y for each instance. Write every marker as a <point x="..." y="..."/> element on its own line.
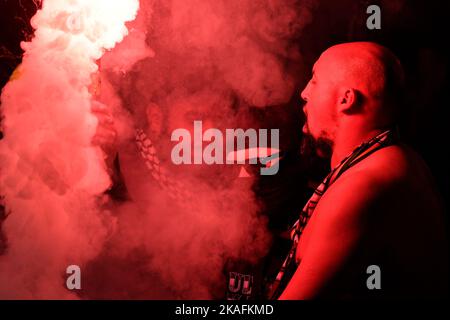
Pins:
<point x="383" y="211"/>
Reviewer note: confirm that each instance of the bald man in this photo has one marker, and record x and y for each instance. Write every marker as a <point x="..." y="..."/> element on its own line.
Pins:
<point x="374" y="227"/>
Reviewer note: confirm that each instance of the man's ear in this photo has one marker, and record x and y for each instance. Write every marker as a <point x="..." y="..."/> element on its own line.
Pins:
<point x="347" y="100"/>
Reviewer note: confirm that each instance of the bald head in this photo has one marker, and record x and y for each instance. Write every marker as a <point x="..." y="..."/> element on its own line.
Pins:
<point x="354" y="85"/>
<point x="370" y="68"/>
<point x="358" y="78"/>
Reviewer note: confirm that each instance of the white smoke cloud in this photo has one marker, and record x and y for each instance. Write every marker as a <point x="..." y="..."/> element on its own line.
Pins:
<point x="208" y="59"/>
<point x="51" y="176"/>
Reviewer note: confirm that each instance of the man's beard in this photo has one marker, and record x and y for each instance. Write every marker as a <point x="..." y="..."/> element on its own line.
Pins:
<point x="321" y="147"/>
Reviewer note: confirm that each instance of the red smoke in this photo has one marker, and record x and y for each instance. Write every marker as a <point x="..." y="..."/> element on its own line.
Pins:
<point x="181" y="61"/>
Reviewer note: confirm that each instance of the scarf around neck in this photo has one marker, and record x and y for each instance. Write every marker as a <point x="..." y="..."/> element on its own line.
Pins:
<point x="384" y="139"/>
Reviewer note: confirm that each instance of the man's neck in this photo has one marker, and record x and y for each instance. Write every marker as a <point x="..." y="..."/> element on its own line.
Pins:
<point x="347" y="140"/>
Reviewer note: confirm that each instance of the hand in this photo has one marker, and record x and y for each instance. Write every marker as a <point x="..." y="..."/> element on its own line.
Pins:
<point x="106" y="134"/>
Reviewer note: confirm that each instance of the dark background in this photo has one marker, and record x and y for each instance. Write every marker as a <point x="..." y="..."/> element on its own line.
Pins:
<point x="417" y="31"/>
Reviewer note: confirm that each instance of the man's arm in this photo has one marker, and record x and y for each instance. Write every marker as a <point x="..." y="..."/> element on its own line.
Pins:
<point x="340" y="221"/>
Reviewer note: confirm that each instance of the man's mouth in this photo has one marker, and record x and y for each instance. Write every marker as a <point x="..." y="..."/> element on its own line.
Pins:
<point x="305" y="129"/>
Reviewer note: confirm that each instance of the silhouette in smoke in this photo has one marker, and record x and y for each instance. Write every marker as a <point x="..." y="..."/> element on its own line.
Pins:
<point x="379" y="205"/>
<point x="221" y="73"/>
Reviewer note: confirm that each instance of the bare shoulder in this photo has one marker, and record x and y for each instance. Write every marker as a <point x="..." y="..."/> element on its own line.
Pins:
<point x="393" y="164"/>
<point x="373" y="180"/>
<point x="391" y="175"/>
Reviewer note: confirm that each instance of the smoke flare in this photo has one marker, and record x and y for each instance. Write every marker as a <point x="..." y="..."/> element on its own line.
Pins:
<point x="51" y="176"/>
<point x="179" y="226"/>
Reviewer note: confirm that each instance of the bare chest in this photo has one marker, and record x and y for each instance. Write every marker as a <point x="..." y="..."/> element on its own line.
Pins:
<point x="304" y="241"/>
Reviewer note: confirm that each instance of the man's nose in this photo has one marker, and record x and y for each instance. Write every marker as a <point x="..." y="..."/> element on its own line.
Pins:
<point x="304" y="93"/>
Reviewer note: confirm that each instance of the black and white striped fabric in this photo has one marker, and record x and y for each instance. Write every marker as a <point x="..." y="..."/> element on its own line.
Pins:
<point x="289" y="265"/>
<point x="174" y="188"/>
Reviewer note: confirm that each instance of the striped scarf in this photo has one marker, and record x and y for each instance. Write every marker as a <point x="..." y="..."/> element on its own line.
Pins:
<point x="289" y="265"/>
<point x="173" y="187"/>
